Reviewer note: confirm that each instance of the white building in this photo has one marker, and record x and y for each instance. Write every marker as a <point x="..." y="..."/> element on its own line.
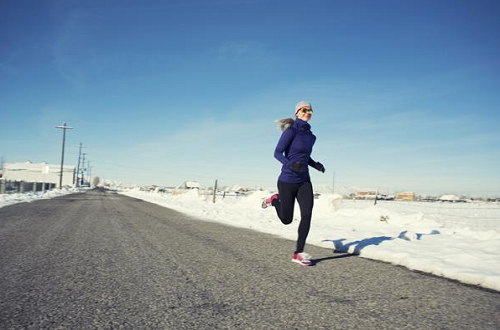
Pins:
<point x="189" y="185"/>
<point x="451" y="198"/>
<point x="38" y="172"/>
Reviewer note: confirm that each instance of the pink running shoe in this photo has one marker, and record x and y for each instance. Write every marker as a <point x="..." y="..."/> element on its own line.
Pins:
<point x="302" y="258"/>
<point x="269" y="201"/>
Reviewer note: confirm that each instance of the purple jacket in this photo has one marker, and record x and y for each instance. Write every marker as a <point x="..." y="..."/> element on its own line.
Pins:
<point x="294" y="151"/>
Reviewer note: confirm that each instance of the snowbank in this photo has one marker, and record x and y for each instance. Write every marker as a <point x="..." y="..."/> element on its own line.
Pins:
<point x="457" y="241"/>
<point x="9" y="199"/>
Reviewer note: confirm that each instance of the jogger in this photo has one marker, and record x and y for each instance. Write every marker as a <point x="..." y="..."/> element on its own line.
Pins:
<point x="294" y="152"/>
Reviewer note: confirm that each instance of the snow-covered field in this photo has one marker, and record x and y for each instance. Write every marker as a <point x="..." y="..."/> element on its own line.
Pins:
<point x="9" y="199"/>
<point x="457" y="241"/>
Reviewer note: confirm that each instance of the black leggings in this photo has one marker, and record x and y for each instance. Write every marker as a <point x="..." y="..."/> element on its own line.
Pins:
<point x="288" y="192"/>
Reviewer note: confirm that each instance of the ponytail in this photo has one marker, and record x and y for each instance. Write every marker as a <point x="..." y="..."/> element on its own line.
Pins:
<point x="283" y="124"/>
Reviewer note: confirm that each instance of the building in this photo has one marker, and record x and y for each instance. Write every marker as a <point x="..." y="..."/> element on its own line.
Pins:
<point x="405" y="196"/>
<point x="384" y="197"/>
<point x="38" y="173"/>
<point x="364" y="194"/>
<point x="452" y="199"/>
<point x="189" y="185"/>
<point x="237" y="189"/>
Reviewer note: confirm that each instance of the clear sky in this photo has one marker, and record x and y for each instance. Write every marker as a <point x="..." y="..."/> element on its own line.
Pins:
<point x="406" y="93"/>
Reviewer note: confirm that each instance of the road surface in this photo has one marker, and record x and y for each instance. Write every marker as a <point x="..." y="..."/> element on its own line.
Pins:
<point x="99" y="260"/>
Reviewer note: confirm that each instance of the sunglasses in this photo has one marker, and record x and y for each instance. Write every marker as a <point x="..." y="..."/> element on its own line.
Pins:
<point x="306" y="110"/>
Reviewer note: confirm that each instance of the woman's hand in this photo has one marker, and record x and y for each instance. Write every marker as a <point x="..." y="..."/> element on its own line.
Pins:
<point x="319" y="167"/>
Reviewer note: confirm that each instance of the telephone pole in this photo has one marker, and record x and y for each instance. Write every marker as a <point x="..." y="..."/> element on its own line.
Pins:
<point x="88" y="172"/>
<point x="333" y="184"/>
<point x="83" y="169"/>
<point x="77" y="183"/>
<point x="64" y="128"/>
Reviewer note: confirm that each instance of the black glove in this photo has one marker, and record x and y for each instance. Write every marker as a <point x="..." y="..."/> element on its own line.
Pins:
<point x="298" y="167"/>
<point x="319" y="167"/>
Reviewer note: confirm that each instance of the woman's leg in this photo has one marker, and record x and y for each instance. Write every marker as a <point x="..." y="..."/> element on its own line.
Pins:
<point x="286" y="202"/>
<point x="305" y="197"/>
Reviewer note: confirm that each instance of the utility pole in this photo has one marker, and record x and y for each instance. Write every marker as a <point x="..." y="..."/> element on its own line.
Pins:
<point x="88" y="172"/>
<point x="215" y="190"/>
<point x="333" y="184"/>
<point x="64" y="128"/>
<point x="77" y="183"/>
<point x="83" y="169"/>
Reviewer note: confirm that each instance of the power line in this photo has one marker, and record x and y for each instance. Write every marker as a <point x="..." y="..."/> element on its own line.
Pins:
<point x="171" y="173"/>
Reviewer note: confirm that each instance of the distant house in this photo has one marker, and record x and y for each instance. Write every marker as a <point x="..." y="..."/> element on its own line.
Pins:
<point x="452" y="198"/>
<point x="148" y="188"/>
<point x="238" y="189"/>
<point x="365" y="194"/>
<point x="405" y="196"/>
<point x="385" y="197"/>
<point x="38" y="173"/>
<point x="429" y="199"/>
<point x="189" y="185"/>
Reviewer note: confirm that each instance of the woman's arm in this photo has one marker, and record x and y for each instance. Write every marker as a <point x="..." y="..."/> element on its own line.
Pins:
<point x="284" y="142"/>
<point x="316" y="165"/>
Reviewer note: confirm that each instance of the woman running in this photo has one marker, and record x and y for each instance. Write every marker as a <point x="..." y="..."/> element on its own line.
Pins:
<point x="294" y="152"/>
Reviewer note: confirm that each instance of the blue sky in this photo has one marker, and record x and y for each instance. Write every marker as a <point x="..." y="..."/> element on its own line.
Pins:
<point x="405" y="93"/>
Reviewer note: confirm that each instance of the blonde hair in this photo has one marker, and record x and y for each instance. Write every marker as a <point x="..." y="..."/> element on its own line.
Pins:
<point x="283" y="124"/>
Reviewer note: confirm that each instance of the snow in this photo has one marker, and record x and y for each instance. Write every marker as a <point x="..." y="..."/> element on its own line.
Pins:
<point x="456" y="241"/>
<point x="9" y="199"/>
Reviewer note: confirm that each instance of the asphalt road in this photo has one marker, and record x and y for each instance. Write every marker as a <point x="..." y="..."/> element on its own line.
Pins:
<point x="99" y="260"/>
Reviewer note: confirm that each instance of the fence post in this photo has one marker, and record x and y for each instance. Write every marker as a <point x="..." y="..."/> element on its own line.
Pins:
<point x="2" y="186"/>
<point x="21" y="186"/>
<point x="34" y="186"/>
<point x="215" y="189"/>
